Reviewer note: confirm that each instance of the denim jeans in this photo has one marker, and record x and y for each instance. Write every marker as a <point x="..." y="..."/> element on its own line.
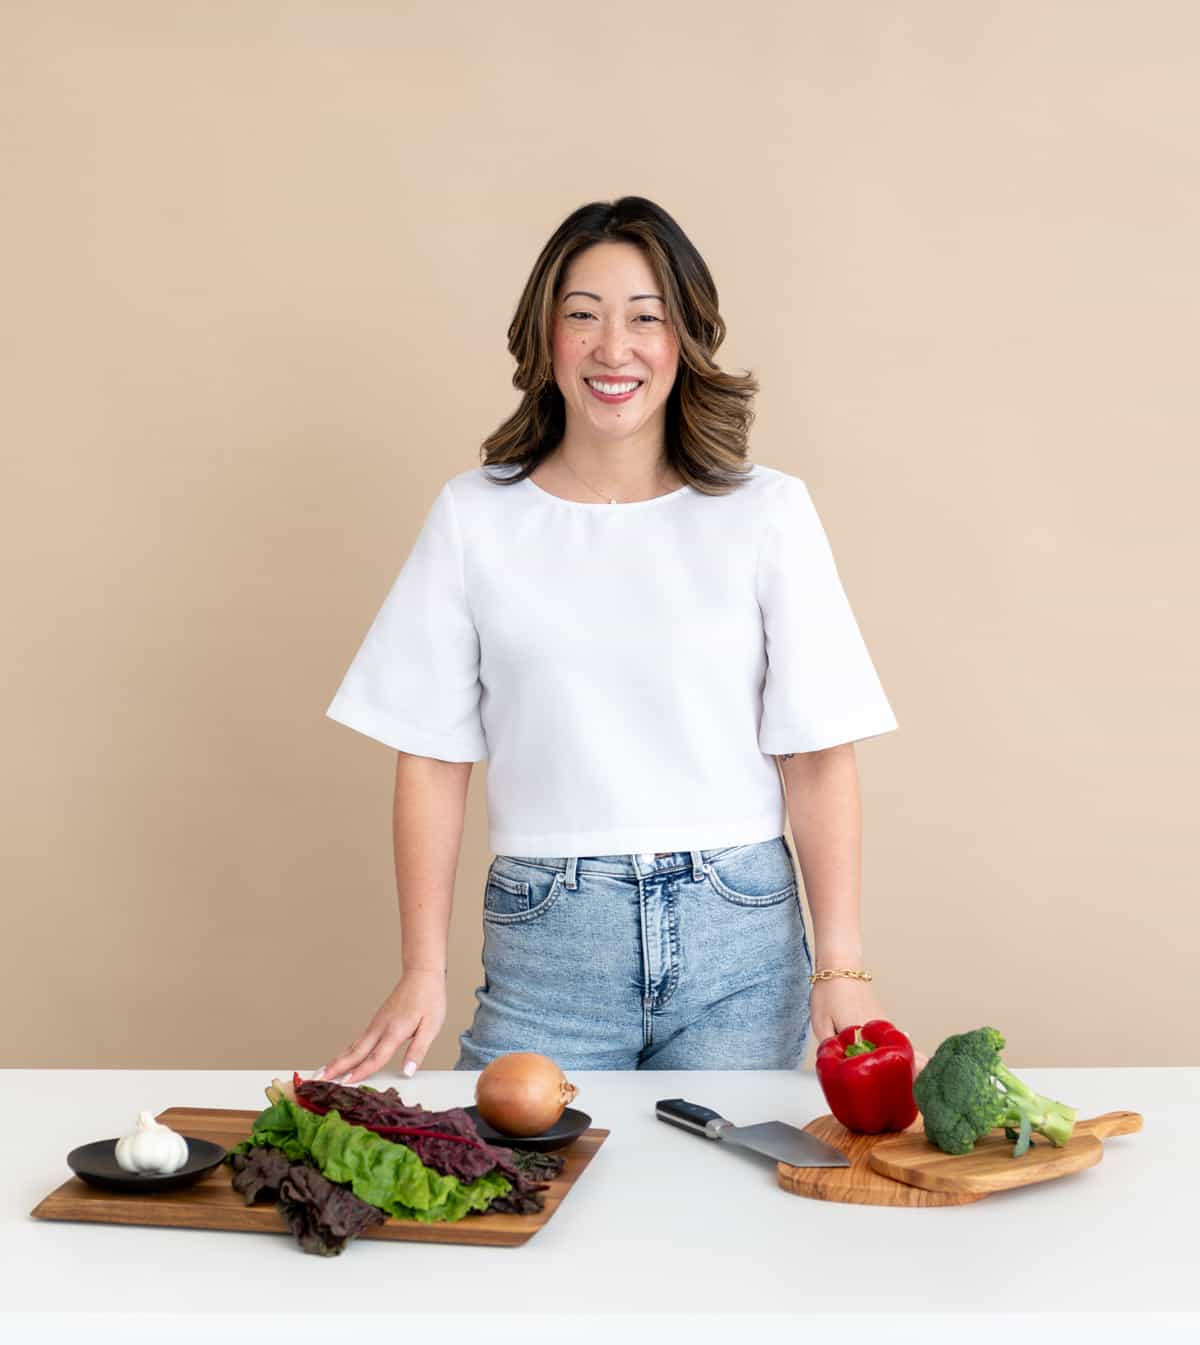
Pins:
<point x="692" y="960"/>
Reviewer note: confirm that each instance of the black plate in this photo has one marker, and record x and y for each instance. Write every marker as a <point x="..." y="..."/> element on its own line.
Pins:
<point x="96" y="1164"/>
<point x="568" y="1128"/>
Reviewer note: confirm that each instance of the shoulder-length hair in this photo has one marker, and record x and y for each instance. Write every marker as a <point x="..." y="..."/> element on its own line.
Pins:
<point x="708" y="413"/>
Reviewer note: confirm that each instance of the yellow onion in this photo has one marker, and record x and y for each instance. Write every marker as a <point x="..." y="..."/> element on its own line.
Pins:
<point x="522" y="1093"/>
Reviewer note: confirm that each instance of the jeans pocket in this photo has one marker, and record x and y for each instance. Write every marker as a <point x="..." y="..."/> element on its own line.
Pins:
<point x="517" y="892"/>
<point x="754" y="875"/>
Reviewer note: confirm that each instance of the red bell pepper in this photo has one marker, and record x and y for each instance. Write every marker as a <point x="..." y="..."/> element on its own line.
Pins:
<point x="866" y="1074"/>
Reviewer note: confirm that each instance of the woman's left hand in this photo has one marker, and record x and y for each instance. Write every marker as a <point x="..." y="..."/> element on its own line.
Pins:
<point x="843" y="1001"/>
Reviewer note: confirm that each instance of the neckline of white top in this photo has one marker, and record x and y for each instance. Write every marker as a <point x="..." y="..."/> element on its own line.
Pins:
<point x="587" y="504"/>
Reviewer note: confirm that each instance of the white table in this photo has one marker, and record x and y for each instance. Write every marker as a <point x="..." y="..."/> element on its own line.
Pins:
<point x="665" y="1237"/>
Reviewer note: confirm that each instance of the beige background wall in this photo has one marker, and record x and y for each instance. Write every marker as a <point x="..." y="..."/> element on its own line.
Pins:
<point x="257" y="263"/>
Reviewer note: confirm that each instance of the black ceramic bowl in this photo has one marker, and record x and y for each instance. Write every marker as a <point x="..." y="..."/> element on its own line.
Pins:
<point x="96" y="1164"/>
<point x="566" y="1130"/>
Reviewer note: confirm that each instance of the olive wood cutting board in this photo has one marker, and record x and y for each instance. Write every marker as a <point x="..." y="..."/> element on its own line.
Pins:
<point x="212" y="1202"/>
<point x="859" y="1184"/>
<point x="990" y="1166"/>
<point x="906" y="1169"/>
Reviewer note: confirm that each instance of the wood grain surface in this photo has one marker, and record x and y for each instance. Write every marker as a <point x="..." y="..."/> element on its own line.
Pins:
<point x="906" y="1169"/>
<point x="990" y="1166"/>
<point x="859" y="1184"/>
<point x="213" y="1203"/>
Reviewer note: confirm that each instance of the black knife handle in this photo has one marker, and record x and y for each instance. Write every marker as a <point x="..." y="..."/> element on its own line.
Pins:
<point x="692" y="1116"/>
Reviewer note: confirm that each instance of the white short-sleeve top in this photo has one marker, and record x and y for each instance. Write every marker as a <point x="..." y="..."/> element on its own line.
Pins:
<point x="629" y="671"/>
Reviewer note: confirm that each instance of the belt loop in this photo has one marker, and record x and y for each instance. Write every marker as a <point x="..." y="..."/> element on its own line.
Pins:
<point x="698" y="869"/>
<point x="572" y="884"/>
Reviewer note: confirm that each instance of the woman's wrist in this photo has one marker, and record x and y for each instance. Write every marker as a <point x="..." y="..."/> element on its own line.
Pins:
<point x="840" y="973"/>
<point x="841" y="955"/>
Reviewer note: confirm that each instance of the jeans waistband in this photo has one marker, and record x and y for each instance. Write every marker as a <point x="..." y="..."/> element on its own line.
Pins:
<point x="635" y="865"/>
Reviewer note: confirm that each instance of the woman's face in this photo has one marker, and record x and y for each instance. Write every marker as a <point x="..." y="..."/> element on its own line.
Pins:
<point x="610" y="326"/>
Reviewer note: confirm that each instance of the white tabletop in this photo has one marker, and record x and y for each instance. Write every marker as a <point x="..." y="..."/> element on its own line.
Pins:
<point x="664" y="1232"/>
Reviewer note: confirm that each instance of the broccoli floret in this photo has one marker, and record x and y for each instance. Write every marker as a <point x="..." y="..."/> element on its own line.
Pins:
<point x="966" y="1091"/>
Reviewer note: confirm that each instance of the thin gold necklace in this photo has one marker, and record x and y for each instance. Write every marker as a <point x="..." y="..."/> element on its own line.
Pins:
<point x="601" y="493"/>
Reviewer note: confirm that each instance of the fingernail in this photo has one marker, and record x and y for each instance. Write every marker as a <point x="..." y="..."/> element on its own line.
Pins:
<point x="320" y="1074"/>
<point x="410" y="1068"/>
<point x="341" y="1078"/>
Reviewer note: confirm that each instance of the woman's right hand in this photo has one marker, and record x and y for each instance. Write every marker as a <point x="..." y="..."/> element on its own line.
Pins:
<point x="415" y="1009"/>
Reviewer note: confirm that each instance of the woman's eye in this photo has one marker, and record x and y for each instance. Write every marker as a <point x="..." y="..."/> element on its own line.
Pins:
<point x="641" y="316"/>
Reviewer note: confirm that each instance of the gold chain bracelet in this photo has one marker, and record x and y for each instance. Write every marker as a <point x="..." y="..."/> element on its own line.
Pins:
<point x="829" y="973"/>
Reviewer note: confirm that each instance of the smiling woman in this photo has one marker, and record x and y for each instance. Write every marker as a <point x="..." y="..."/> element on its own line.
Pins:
<point x="630" y="621"/>
<point x="617" y="353"/>
<point x="615" y="337"/>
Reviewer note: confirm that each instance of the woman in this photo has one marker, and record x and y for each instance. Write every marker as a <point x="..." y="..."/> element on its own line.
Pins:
<point x="634" y="625"/>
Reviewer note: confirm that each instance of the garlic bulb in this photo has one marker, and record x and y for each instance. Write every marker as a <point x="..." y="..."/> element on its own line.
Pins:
<point x="152" y="1147"/>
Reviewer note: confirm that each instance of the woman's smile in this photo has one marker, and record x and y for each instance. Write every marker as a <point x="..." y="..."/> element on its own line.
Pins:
<point x="613" y="389"/>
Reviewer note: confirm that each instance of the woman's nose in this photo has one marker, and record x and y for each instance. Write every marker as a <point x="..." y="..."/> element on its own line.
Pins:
<point x="613" y="344"/>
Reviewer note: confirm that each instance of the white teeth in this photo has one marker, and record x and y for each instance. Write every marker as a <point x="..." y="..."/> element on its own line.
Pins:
<point x="611" y="389"/>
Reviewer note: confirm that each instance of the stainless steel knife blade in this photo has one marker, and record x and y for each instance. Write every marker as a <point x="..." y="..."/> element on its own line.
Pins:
<point x="775" y="1139"/>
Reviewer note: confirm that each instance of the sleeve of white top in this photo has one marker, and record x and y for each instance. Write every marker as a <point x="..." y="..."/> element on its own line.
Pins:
<point x="821" y="688"/>
<point x="414" y="683"/>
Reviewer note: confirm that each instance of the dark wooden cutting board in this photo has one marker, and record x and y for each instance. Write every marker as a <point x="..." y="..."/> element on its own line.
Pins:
<point x="213" y="1203"/>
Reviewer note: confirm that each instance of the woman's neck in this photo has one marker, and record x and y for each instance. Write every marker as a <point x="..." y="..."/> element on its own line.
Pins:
<point x="585" y="476"/>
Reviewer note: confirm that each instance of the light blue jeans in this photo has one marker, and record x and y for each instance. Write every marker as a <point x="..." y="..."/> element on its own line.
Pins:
<point x="692" y="960"/>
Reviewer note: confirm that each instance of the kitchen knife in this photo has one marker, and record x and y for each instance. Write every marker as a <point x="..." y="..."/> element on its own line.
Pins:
<point x="776" y="1139"/>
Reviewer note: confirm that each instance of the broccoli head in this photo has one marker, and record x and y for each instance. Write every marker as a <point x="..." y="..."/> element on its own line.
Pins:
<point x="966" y="1091"/>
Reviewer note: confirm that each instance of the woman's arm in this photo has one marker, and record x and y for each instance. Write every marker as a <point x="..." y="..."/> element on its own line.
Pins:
<point x="427" y="829"/>
<point x="825" y="812"/>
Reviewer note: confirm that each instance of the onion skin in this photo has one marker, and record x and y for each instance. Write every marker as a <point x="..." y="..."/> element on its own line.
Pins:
<point x="522" y="1093"/>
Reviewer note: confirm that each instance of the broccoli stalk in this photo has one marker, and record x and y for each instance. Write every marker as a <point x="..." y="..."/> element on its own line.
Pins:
<point x="1030" y="1111"/>
<point x="966" y="1091"/>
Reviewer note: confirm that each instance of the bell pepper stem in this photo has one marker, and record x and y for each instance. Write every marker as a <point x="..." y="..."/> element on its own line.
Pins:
<point x="860" y="1045"/>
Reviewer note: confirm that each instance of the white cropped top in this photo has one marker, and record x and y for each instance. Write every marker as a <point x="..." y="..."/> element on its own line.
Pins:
<point x="628" y="671"/>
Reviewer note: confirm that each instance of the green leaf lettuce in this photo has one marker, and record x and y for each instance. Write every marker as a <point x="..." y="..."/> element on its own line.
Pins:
<point x="387" y="1175"/>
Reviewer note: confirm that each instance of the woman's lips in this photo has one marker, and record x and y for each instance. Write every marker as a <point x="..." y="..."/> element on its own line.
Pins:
<point x="606" y="397"/>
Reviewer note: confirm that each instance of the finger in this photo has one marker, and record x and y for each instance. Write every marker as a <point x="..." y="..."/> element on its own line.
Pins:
<point x="387" y="1047"/>
<point x="353" y="1055"/>
<point x="418" y="1048"/>
<point x="332" y="1072"/>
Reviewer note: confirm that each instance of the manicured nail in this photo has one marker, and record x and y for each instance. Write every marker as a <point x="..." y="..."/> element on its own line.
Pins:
<point x="410" y="1068"/>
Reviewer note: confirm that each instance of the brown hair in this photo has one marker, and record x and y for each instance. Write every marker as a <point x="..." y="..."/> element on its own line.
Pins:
<point x="708" y="411"/>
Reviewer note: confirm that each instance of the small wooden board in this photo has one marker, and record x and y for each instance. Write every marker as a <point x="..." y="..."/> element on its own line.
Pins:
<point x="213" y="1203"/>
<point x="860" y="1184"/>
<point x="906" y="1169"/>
<point x="990" y="1166"/>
